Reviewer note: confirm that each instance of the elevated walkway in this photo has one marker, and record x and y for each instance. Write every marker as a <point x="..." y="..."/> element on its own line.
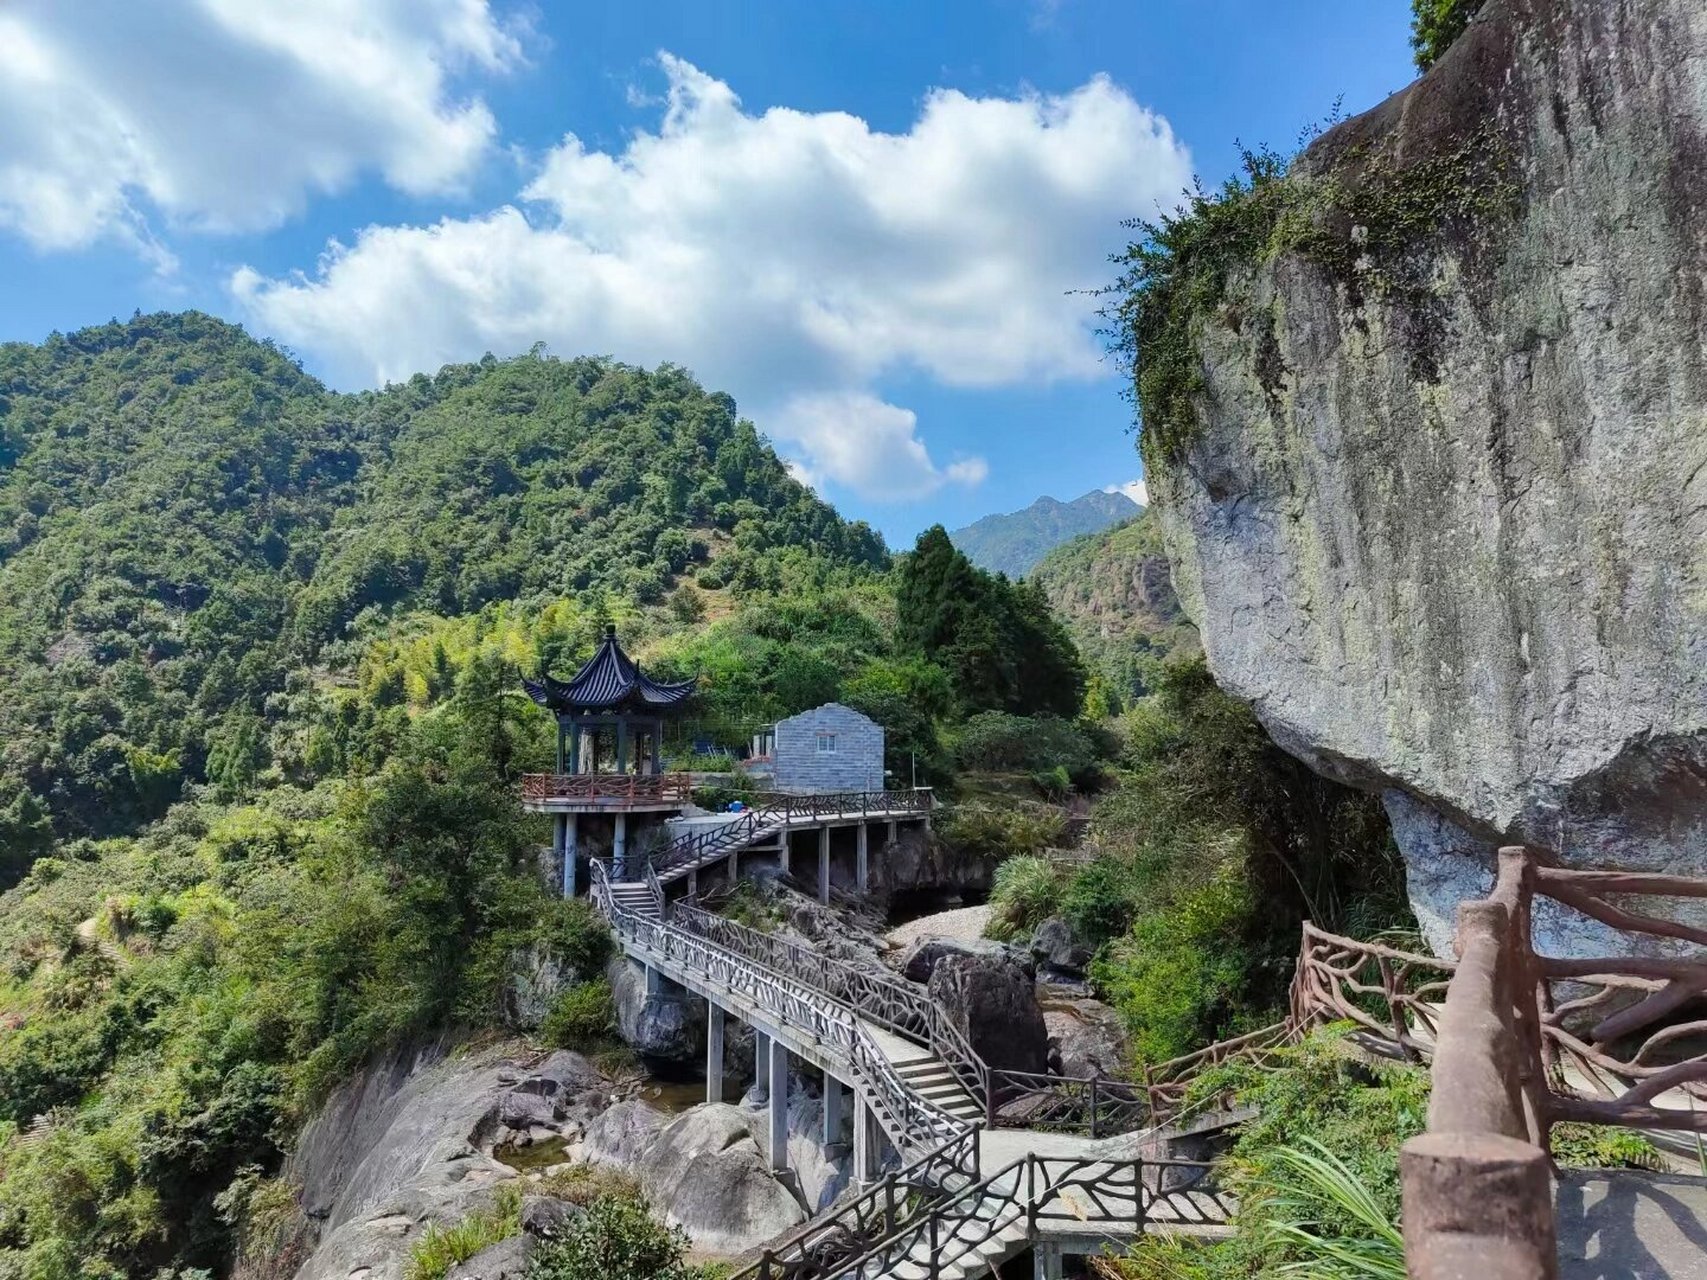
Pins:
<point x="961" y="1200"/>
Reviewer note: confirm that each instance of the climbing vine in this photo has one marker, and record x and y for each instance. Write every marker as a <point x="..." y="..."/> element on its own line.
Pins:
<point x="1364" y="222"/>
<point x="1435" y="24"/>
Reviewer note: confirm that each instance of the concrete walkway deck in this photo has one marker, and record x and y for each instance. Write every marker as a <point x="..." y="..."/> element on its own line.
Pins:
<point x="1630" y="1225"/>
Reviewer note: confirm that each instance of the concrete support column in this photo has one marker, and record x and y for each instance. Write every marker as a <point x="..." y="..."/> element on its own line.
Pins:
<point x="783" y="851"/>
<point x="654" y="981"/>
<point x="778" y="1106"/>
<point x="693" y="883"/>
<point x="862" y="859"/>
<point x="832" y="1110"/>
<point x="619" y="847"/>
<point x="893" y="829"/>
<point x="569" y="824"/>
<point x="867" y="1144"/>
<point x="761" y="1056"/>
<point x="824" y="865"/>
<point x="1046" y="1261"/>
<point x="734" y="867"/>
<point x="713" y="1051"/>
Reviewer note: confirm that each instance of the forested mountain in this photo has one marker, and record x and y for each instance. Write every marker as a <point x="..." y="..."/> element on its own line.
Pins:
<point x="261" y="725"/>
<point x="1113" y="593"/>
<point x="188" y="521"/>
<point x="1013" y="543"/>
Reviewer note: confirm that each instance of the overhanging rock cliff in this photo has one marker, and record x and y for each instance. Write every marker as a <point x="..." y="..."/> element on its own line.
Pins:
<point x="1440" y="502"/>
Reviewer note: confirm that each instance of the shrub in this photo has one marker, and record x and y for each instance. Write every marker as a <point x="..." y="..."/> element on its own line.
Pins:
<point x="617" y="1240"/>
<point x="1001" y="831"/>
<point x="582" y="1184"/>
<point x="441" y="1248"/>
<point x="582" y="1017"/>
<point x="1097" y="901"/>
<point x="997" y="741"/>
<point x="1179" y="979"/>
<point x="1022" y="896"/>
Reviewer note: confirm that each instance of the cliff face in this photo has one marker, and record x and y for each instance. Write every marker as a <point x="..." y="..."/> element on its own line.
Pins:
<point x="1442" y="516"/>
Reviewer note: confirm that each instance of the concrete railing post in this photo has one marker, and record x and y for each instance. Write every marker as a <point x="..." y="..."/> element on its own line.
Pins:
<point x="1477" y="1205"/>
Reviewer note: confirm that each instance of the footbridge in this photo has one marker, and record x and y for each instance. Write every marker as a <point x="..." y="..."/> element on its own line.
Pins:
<point x="961" y="1166"/>
<point x="947" y="1190"/>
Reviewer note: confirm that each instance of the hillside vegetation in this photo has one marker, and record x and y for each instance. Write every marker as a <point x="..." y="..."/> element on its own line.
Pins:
<point x="263" y="725"/>
<point x="192" y="530"/>
<point x="1113" y="593"/>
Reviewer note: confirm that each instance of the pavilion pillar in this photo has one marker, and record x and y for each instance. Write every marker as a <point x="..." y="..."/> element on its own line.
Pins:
<point x="622" y="746"/>
<point x="713" y="1051"/>
<point x="574" y="745"/>
<point x="658" y="746"/>
<point x="832" y="1110"/>
<point x="778" y="1106"/>
<point x="862" y="858"/>
<point x="619" y="847"/>
<point x="824" y="865"/>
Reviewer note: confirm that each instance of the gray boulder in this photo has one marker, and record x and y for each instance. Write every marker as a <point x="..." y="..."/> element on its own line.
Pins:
<point x="1439" y="509"/>
<point x="396" y="1147"/>
<point x="922" y="956"/>
<point x="549" y="1218"/>
<point x="506" y="1260"/>
<point x="993" y="1002"/>
<point x="1056" y="952"/>
<point x="1088" y="1037"/>
<point x="622" y="1133"/>
<point x="667" y="1025"/>
<point x="708" y="1175"/>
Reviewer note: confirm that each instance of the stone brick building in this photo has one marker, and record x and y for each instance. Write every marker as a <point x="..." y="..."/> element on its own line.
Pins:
<point x="830" y="748"/>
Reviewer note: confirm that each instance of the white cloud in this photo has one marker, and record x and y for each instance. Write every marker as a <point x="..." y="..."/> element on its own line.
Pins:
<point x="227" y="115"/>
<point x="873" y="448"/>
<point x="793" y="258"/>
<point x="1137" y="490"/>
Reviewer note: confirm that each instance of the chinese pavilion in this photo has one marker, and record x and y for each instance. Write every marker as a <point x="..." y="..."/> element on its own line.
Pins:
<point x="610" y="754"/>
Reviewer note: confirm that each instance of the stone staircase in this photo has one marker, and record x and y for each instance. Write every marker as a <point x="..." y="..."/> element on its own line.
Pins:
<point x="932" y="1079"/>
<point x="636" y="898"/>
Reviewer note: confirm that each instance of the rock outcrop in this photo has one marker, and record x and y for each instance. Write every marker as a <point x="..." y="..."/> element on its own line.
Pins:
<point x="665" y="1025"/>
<point x="1442" y="513"/>
<point x="408" y="1141"/>
<point x="993" y="1002"/>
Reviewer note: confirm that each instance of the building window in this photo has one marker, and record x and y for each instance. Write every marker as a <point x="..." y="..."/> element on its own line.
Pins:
<point x="826" y="744"/>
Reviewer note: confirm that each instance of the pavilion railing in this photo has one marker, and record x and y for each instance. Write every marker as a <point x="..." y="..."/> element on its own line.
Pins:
<point x="638" y="788"/>
<point x="1525" y="1041"/>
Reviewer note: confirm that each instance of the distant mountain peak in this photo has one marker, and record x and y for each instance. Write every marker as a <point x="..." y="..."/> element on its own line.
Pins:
<point x="1013" y="542"/>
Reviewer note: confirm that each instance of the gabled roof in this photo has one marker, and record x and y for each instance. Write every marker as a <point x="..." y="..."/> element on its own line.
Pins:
<point x="610" y="680"/>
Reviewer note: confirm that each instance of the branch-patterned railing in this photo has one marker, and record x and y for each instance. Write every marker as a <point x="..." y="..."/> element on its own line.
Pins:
<point x="773" y="812"/>
<point x="952" y="1231"/>
<point x="633" y="788"/>
<point x="888" y="1001"/>
<point x="913" y="1123"/>
<point x="1391" y="994"/>
<point x="900" y="1200"/>
<point x="1525" y="1041"/>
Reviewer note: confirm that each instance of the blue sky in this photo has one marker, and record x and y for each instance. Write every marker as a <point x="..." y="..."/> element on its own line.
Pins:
<point x="869" y="222"/>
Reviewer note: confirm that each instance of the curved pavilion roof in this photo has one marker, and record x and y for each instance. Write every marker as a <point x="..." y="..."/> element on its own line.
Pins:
<point x="609" y="681"/>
